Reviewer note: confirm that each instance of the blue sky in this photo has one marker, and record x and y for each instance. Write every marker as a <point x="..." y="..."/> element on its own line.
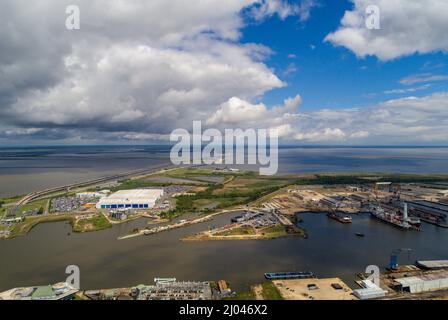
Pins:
<point x="333" y="77"/>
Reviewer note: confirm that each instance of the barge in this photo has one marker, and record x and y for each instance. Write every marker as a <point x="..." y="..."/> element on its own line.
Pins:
<point x="289" y="275"/>
<point x="341" y="219"/>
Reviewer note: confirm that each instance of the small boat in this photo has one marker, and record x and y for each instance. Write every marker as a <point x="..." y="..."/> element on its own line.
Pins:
<point x="359" y="234"/>
<point x="289" y="275"/>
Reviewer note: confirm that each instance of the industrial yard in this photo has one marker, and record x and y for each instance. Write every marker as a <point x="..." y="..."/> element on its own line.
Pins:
<point x="425" y="279"/>
<point x="251" y="226"/>
<point x="162" y="289"/>
<point x="404" y="202"/>
<point x="422" y="280"/>
<point x="314" y="289"/>
<point x="262" y="208"/>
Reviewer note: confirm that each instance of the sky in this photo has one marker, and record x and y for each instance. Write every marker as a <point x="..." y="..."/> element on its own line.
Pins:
<point x="138" y="69"/>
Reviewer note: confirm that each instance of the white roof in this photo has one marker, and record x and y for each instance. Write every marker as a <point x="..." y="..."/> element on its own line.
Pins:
<point x="434" y="263"/>
<point x="135" y="195"/>
<point x="369" y="284"/>
<point x="409" y="281"/>
<point x="423" y="278"/>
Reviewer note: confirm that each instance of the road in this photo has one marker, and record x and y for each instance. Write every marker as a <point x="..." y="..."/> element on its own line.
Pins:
<point x="37" y="195"/>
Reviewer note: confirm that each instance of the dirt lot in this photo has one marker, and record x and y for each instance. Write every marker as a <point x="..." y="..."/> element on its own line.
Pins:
<point x="298" y="289"/>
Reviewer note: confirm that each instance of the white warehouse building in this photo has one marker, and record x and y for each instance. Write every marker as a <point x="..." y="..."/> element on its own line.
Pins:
<point x="423" y="283"/>
<point x="132" y="199"/>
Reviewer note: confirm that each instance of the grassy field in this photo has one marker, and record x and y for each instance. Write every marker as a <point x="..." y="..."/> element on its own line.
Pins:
<point x="38" y="204"/>
<point x="238" y="189"/>
<point x="270" y="292"/>
<point x="11" y="200"/>
<point x="30" y="222"/>
<point x="243" y="296"/>
<point x="188" y="172"/>
<point x="2" y="212"/>
<point x="93" y="224"/>
<point x="358" y="178"/>
<point x="243" y="230"/>
<point x="275" y="231"/>
<point x="138" y="183"/>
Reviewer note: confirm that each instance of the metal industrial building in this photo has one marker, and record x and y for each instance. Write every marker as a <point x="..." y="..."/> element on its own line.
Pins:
<point x="131" y="199"/>
<point x="427" y="282"/>
<point x="370" y="291"/>
<point x="433" y="264"/>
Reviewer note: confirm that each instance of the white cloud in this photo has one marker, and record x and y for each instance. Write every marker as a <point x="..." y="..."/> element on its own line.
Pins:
<point x="407" y="27"/>
<point x="283" y="8"/>
<point x="238" y="112"/>
<point x="404" y="120"/>
<point x="360" y="134"/>
<point x="423" y="77"/>
<point x="397" y="121"/>
<point x="135" y="66"/>
<point x="407" y="90"/>
<point x="327" y="134"/>
<point x="146" y="88"/>
<point x="137" y="70"/>
<point x="290" y="69"/>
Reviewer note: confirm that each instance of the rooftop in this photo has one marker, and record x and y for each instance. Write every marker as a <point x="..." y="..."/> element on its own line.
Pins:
<point x="433" y="264"/>
<point x="142" y="194"/>
<point x="43" y="292"/>
<point x="419" y="279"/>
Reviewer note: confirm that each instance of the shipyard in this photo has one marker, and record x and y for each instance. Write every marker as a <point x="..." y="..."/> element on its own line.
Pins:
<point x="188" y="205"/>
<point x="198" y="159"/>
<point x="421" y="280"/>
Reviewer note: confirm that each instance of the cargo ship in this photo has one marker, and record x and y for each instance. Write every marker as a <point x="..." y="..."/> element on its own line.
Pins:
<point x="289" y="275"/>
<point x="342" y="219"/>
<point x="395" y="219"/>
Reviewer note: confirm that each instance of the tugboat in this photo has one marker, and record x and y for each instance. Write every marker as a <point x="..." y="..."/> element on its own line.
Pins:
<point x="342" y="219"/>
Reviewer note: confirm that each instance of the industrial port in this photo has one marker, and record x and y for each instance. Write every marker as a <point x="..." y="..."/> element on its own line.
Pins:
<point x="422" y="280"/>
<point x="264" y="209"/>
<point x="403" y="205"/>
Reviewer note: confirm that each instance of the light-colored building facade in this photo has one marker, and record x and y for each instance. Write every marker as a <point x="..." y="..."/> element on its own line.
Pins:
<point x="131" y="199"/>
<point x="428" y="282"/>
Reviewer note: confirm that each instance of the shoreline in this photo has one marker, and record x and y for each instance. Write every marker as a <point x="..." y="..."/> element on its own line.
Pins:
<point x="297" y="180"/>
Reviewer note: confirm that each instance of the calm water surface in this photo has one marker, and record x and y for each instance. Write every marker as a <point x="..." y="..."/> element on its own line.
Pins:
<point x="24" y="170"/>
<point x="332" y="249"/>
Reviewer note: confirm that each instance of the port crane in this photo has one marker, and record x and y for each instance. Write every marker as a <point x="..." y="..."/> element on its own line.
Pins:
<point x="393" y="264"/>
